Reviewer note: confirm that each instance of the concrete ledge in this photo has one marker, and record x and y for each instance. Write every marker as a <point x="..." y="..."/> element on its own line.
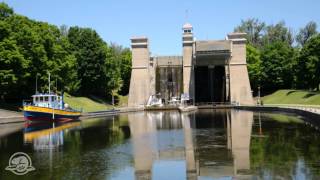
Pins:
<point x="187" y="108"/>
<point x="302" y="112"/>
<point x="7" y="120"/>
<point x="162" y="108"/>
<point x="7" y="116"/>
<point x="110" y="112"/>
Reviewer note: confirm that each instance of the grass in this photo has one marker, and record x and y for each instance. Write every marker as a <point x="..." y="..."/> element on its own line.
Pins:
<point x="293" y="97"/>
<point x="92" y="104"/>
<point x="284" y="118"/>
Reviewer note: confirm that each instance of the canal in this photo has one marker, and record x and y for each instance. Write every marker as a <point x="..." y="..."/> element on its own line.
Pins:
<point x="208" y="144"/>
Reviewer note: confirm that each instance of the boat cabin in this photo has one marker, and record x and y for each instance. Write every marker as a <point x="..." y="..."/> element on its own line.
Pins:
<point x="48" y="100"/>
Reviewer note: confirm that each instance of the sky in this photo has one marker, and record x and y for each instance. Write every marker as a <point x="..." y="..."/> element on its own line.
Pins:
<point x="162" y="20"/>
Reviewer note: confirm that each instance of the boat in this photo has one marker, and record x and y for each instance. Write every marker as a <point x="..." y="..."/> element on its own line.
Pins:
<point x="48" y="107"/>
<point x="154" y="101"/>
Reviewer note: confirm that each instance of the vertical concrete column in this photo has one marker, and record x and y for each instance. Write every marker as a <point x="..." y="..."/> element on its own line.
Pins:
<point x="139" y="91"/>
<point x="188" y="43"/>
<point x="189" y="149"/>
<point x="240" y="89"/>
<point x="143" y="130"/>
<point x="241" y="125"/>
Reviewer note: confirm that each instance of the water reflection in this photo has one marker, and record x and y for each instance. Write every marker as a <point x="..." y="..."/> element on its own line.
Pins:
<point x="45" y="136"/>
<point x="209" y="144"/>
<point x="197" y="146"/>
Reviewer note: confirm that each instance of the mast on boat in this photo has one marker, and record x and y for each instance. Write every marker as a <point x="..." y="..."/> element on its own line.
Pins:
<point x="49" y="81"/>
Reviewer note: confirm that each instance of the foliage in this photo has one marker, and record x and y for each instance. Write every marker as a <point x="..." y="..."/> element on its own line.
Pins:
<point x="276" y="33"/>
<point x="29" y="49"/>
<point x="277" y="66"/>
<point x="79" y="61"/>
<point x="275" y="61"/>
<point x="306" y="33"/>
<point x="90" y="52"/>
<point x="254" y="29"/>
<point x="254" y="66"/>
<point x="308" y="66"/>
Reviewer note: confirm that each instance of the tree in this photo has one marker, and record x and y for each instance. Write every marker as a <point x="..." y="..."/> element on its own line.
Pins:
<point x="5" y="10"/>
<point x="112" y="63"/>
<point x="29" y="49"/>
<point x="277" y="62"/>
<point x="278" y="32"/>
<point x="254" y="29"/>
<point x="306" y="33"/>
<point x="309" y="64"/>
<point x="254" y="66"/>
<point x="90" y="52"/>
<point x="13" y="68"/>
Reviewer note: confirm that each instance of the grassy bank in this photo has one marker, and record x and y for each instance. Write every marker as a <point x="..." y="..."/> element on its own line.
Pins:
<point x="293" y="97"/>
<point x="92" y="104"/>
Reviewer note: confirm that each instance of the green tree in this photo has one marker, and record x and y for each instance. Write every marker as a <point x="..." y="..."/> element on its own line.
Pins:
<point x="91" y="52"/>
<point x="112" y="63"/>
<point x="309" y="64"/>
<point x="278" y="32"/>
<point x="5" y="10"/>
<point x="254" y="66"/>
<point x="306" y="33"/>
<point x="29" y="49"/>
<point x="277" y="62"/>
<point x="254" y="29"/>
<point x="13" y="69"/>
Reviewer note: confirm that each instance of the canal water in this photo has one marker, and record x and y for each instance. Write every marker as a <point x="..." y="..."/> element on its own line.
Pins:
<point x="208" y="144"/>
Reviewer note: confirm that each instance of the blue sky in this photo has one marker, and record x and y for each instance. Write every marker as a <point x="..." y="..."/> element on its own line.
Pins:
<point x="161" y="20"/>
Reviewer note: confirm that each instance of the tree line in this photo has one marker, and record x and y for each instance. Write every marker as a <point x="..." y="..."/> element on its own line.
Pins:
<point x="279" y="59"/>
<point x="79" y="61"/>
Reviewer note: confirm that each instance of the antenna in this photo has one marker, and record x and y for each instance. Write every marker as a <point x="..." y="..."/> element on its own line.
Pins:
<point x="56" y="85"/>
<point x="187" y="14"/>
<point x="37" y="83"/>
<point x="49" y="81"/>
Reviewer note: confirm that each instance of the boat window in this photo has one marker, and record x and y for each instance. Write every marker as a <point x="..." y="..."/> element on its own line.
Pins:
<point x="46" y="98"/>
<point x="41" y="98"/>
<point x="37" y="99"/>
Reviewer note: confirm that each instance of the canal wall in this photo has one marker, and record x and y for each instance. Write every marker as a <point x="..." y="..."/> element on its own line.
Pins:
<point x="7" y="116"/>
<point x="309" y="112"/>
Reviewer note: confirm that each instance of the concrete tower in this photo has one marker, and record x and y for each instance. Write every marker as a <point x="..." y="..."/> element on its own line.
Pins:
<point x="187" y="43"/>
<point x="139" y="91"/>
<point x="240" y="90"/>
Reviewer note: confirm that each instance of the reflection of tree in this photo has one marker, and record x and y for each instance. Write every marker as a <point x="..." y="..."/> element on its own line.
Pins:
<point x="284" y="146"/>
<point x="90" y="152"/>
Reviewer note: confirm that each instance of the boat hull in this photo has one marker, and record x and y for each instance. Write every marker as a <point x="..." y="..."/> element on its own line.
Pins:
<point x="33" y="113"/>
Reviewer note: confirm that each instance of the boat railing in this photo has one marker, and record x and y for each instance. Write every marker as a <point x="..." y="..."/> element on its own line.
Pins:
<point x="27" y="102"/>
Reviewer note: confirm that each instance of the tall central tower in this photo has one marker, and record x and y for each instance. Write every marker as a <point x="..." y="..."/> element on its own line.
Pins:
<point x="187" y="43"/>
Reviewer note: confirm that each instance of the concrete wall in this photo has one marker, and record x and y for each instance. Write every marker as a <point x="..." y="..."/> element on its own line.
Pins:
<point x="139" y="91"/>
<point x="240" y="89"/>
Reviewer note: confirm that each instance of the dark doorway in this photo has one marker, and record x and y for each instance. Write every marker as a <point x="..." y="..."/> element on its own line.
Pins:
<point x="210" y="84"/>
